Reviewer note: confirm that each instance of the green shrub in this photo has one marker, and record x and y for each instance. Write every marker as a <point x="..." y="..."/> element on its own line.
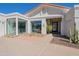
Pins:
<point x="74" y="36"/>
<point x="49" y="28"/>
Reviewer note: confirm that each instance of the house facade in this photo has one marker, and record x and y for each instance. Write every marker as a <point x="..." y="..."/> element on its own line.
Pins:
<point x="44" y="19"/>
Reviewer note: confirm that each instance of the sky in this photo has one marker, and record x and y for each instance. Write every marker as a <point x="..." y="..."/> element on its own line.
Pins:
<point x="24" y="7"/>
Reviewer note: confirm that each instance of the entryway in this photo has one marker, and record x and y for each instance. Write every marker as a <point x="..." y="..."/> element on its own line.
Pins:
<point x="54" y="25"/>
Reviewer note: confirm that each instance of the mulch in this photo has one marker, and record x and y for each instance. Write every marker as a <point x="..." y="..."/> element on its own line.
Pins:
<point x="65" y="42"/>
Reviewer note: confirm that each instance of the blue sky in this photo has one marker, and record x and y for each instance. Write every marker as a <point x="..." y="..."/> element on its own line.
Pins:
<point x="23" y="7"/>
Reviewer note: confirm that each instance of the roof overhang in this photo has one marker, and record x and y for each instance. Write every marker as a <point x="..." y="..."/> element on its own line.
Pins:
<point x="65" y="9"/>
<point x="13" y="14"/>
<point x="48" y="16"/>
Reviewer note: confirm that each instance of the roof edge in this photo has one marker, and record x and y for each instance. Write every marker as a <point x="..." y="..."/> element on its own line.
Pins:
<point x="47" y="4"/>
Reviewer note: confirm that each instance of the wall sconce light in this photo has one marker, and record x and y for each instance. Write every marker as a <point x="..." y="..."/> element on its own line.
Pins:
<point x="2" y="22"/>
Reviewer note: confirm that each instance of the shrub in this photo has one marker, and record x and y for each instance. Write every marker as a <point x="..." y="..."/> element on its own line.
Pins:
<point x="74" y="36"/>
<point x="49" y="28"/>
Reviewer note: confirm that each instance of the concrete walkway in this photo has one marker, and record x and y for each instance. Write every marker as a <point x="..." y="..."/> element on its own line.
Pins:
<point x="36" y="46"/>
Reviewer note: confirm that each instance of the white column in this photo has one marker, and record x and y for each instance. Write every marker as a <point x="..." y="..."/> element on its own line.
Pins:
<point x="29" y="26"/>
<point x="16" y="25"/>
<point x="5" y="25"/>
<point x="44" y="31"/>
<point x="41" y="13"/>
<point x="26" y="27"/>
<point x="62" y="26"/>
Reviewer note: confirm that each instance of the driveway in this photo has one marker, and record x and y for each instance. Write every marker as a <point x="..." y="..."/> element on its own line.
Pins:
<point x="25" y="45"/>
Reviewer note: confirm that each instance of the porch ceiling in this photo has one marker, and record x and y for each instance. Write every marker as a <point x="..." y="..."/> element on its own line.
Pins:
<point x="55" y="19"/>
<point x="49" y="16"/>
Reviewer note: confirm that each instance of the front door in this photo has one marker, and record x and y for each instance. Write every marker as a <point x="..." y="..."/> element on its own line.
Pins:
<point x="55" y="27"/>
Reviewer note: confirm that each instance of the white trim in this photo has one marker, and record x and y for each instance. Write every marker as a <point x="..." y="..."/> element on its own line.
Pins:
<point x="29" y="26"/>
<point x="48" y="16"/>
<point x="5" y="25"/>
<point x="26" y="26"/>
<point x="16" y="25"/>
<point x="44" y="29"/>
<point x="13" y="14"/>
<point x="62" y="26"/>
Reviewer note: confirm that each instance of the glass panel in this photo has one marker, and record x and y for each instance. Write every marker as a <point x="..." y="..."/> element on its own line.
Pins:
<point x="11" y="26"/>
<point x="21" y="25"/>
<point x="54" y="26"/>
<point x="36" y="26"/>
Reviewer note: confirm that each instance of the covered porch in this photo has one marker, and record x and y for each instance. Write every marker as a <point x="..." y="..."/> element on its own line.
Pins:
<point x="51" y="24"/>
<point x="54" y="25"/>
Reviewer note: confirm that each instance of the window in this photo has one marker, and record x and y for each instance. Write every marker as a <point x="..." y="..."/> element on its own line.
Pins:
<point x="11" y="26"/>
<point x="21" y="25"/>
<point x="36" y="26"/>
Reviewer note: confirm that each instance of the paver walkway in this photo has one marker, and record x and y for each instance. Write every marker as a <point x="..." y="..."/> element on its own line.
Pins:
<point x="25" y="45"/>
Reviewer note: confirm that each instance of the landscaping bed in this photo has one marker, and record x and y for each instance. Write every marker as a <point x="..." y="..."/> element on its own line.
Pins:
<point x="25" y="36"/>
<point x="65" y="42"/>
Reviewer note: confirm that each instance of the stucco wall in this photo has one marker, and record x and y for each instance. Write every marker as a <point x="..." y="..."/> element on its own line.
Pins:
<point x="54" y="10"/>
<point x="2" y="25"/>
<point x="69" y="22"/>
